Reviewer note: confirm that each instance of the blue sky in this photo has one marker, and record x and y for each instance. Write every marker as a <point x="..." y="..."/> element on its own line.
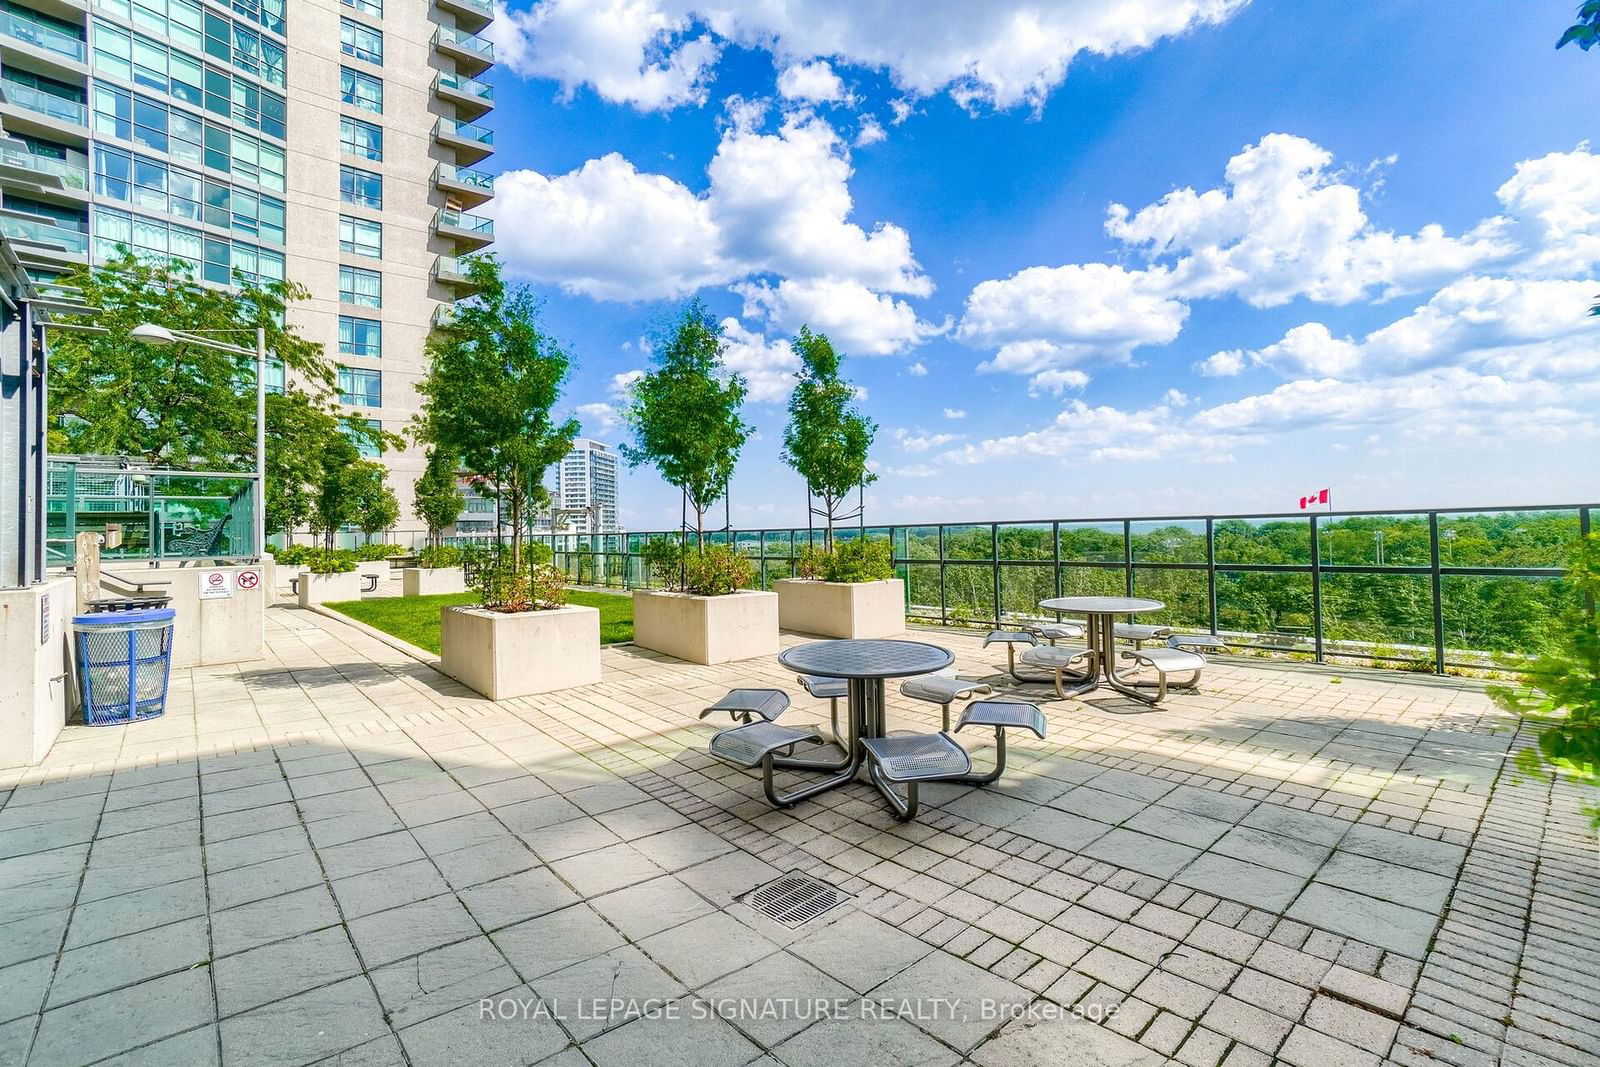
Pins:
<point x="1354" y="247"/>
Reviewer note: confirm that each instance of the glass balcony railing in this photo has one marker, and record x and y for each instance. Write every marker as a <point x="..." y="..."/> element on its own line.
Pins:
<point x="465" y="131"/>
<point x="450" y="267"/>
<point x="449" y="172"/>
<point x="466" y="86"/>
<point x="480" y="225"/>
<point x="38" y="230"/>
<point x="482" y="7"/>
<point x="464" y="42"/>
<point x="62" y="44"/>
<point x="148" y="514"/>
<point x="444" y="316"/>
<point x="72" y="175"/>
<point x="57" y="107"/>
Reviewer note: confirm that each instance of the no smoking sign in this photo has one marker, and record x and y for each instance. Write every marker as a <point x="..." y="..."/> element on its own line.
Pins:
<point x="216" y="585"/>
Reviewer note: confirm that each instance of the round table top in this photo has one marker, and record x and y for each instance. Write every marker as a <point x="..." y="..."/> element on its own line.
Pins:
<point x="865" y="659"/>
<point x="1101" y="605"/>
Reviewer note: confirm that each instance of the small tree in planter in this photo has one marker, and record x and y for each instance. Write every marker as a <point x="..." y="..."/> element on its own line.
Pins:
<point x="827" y="438"/>
<point x="330" y="575"/>
<point x="523" y="637"/>
<point x="684" y="414"/>
<point x="438" y="498"/>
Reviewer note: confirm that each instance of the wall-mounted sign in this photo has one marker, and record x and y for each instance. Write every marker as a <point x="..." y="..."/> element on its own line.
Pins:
<point x="216" y="585"/>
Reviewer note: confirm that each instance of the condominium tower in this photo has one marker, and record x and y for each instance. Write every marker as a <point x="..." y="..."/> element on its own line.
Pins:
<point x="584" y="489"/>
<point x="331" y="142"/>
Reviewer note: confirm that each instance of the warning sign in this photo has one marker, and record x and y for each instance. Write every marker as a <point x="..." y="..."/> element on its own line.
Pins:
<point x="216" y="585"/>
<point x="249" y="579"/>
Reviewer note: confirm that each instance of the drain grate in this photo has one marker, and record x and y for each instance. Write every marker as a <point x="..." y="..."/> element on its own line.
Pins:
<point x="794" y="899"/>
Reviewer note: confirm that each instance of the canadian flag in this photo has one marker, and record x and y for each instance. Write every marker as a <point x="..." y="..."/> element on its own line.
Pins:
<point x="1316" y="496"/>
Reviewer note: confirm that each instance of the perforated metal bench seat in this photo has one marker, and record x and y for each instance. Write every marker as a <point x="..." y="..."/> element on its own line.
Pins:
<point x="943" y="690"/>
<point x="818" y="686"/>
<point x="1165" y="661"/>
<point x="1064" y="662"/>
<point x="1003" y="715"/>
<point x="1059" y="631"/>
<point x="1140" y="632"/>
<point x="1207" y="641"/>
<point x="747" y="746"/>
<point x="917" y="757"/>
<point x="1008" y="637"/>
<point x="741" y="704"/>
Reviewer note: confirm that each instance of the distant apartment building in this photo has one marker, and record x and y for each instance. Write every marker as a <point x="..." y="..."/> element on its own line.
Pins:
<point x="583" y="490"/>
<point x="331" y="142"/>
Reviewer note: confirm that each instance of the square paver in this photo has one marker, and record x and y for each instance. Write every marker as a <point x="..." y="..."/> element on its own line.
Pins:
<point x="1393" y="926"/>
<point x="684" y="1032"/>
<point x="682" y="847"/>
<point x="93" y="1029"/>
<point x="1386" y="881"/>
<point x="883" y="1042"/>
<point x="1059" y="828"/>
<point x="272" y="919"/>
<point x="507" y="1036"/>
<point x="792" y="983"/>
<point x="1099" y="805"/>
<point x="122" y="961"/>
<point x="705" y="949"/>
<point x="282" y="969"/>
<point x="443" y="980"/>
<point x="606" y="991"/>
<point x="1300" y="825"/>
<point x="1234" y="879"/>
<point x="614" y="867"/>
<point x="1141" y="852"/>
<point x="560" y="939"/>
<point x="650" y="907"/>
<point x="1405" y="850"/>
<point x="411" y="929"/>
<point x="485" y="862"/>
<point x="1065" y="1040"/>
<point x="859" y="950"/>
<point x="375" y="891"/>
<point x="517" y="897"/>
<point x="640" y="820"/>
<point x="963" y="992"/>
<point x="1184" y="827"/>
<point x="307" y="1027"/>
<point x="1287" y="854"/>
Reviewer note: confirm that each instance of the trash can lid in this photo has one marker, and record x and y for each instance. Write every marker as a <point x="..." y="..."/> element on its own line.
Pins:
<point x="115" y="619"/>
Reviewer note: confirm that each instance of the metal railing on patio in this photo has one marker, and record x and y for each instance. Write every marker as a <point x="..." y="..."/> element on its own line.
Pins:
<point x="148" y="514"/>
<point x="1424" y="590"/>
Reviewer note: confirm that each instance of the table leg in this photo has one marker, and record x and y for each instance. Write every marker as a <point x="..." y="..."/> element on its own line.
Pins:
<point x="1113" y="679"/>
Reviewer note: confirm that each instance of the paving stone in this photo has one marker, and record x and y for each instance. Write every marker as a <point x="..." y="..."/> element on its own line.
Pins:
<point x="367" y="894"/>
<point x="1059" y="828"/>
<point x="192" y="1048"/>
<point x="603" y="870"/>
<point x="550" y="942"/>
<point x="476" y="1034"/>
<point x="443" y="980"/>
<point x="307" y="1027"/>
<point x="88" y="1030"/>
<point x="1308" y="1048"/>
<point x="1255" y="1027"/>
<point x="859" y="950"/>
<point x="1141" y="852"/>
<point x="1265" y="849"/>
<point x="941" y="976"/>
<point x="606" y="991"/>
<point x="889" y="1042"/>
<point x="123" y="961"/>
<point x="648" y="908"/>
<point x="1298" y="825"/>
<point x="1239" y="880"/>
<point x="726" y="877"/>
<point x="1352" y="1025"/>
<point x="1407" y="850"/>
<point x="485" y="862"/>
<point x="1184" y="827"/>
<point x="521" y="896"/>
<point x="796" y="984"/>
<point x="1274" y="994"/>
<point x="705" y="949"/>
<point x="411" y="929"/>
<point x="130" y="913"/>
<point x="282" y="969"/>
<point x="1393" y="926"/>
<point x="22" y="988"/>
<point x="684" y="846"/>
<point x="685" y="1032"/>
<point x="272" y="919"/>
<point x="1366" y="990"/>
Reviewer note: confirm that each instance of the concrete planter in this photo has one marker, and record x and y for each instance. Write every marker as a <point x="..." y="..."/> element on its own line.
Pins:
<point x="504" y="656"/>
<point x="432" y="581"/>
<point x="707" y="629"/>
<point x="321" y="588"/>
<point x="842" y="609"/>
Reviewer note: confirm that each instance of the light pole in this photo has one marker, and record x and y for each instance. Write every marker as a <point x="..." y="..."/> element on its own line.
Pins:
<point x="152" y="334"/>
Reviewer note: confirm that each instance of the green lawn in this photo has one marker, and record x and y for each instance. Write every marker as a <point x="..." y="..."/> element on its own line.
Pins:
<point x="416" y="618"/>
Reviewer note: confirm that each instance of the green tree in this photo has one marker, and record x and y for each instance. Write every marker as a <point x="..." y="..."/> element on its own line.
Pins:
<point x="438" y="498"/>
<point x="827" y="439"/>
<point x="684" y="414"/>
<point x="377" y="508"/>
<point x="304" y="434"/>
<point x="1561" y="689"/>
<point x="1585" y="32"/>
<point x="495" y="376"/>
<point x="179" y="405"/>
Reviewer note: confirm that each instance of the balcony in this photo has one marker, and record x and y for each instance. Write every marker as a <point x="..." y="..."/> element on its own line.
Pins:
<point x="469" y="231"/>
<point x="471" y="15"/>
<point x="43" y="41"/>
<point x="471" y="142"/>
<point x="451" y="271"/>
<point x="47" y="109"/>
<point x="473" y="98"/>
<point x="444" y="316"/>
<point x="466" y="187"/>
<point x="43" y="174"/>
<point x="43" y="238"/>
<point x="473" y="55"/>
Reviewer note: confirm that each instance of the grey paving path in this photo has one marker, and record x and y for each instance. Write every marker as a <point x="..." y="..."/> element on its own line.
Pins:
<point x="337" y="855"/>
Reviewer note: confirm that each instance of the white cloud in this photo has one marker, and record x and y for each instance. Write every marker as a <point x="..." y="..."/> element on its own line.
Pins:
<point x="870" y="133"/>
<point x="657" y="53"/>
<point x="918" y="369"/>
<point x="913" y="470"/>
<point x="1222" y="364"/>
<point x="598" y="418"/>
<point x="778" y="204"/>
<point x="635" y="52"/>
<point x="1556" y="199"/>
<point x="813" y="83"/>
<point x="768" y="367"/>
<point x="623" y="381"/>
<point x="1176" y="398"/>
<point x="954" y="413"/>
<point x="922" y="441"/>
<point x="1056" y="382"/>
<point x="1106" y="433"/>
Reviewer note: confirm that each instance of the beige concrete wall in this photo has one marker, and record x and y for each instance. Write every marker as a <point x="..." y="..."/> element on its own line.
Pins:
<point x="223" y="630"/>
<point x="511" y="655"/>
<point x="842" y="609"/>
<point x="707" y="629"/>
<point x="409" y="202"/>
<point x="432" y="581"/>
<point x="322" y="588"/>
<point x="34" y="681"/>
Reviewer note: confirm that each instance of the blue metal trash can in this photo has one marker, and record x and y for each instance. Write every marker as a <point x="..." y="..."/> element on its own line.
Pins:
<point x="124" y="660"/>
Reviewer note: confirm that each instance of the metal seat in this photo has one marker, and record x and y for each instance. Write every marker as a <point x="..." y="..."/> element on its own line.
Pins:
<point x="1003" y="715"/>
<point x="1011" y="639"/>
<point x="757" y="744"/>
<point x="911" y="759"/>
<point x="741" y="704"/>
<point x="830" y="689"/>
<point x="1064" y="663"/>
<point x="1139" y="633"/>
<point x="1191" y="642"/>
<point x="1165" y="661"/>
<point x="943" y="690"/>
<point x="1059" y="631"/>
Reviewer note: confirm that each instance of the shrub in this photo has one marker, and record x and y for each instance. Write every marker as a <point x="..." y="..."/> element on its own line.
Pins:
<point x="862" y="559"/>
<point x="380" y="550"/>
<point x="712" y="570"/>
<point x="335" y="562"/>
<point x="435" y="556"/>
<point x="295" y="555"/>
<point x="503" y="586"/>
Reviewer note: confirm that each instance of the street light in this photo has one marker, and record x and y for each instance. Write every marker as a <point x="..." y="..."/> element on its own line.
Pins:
<point x="152" y="334"/>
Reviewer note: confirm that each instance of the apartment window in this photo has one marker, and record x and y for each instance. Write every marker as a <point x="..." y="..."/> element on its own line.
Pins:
<point x="360" y="386"/>
<point x="478" y="505"/>
<point x="360" y="337"/>
<point x="361" y="187"/>
<point x="275" y="378"/>
<point x="364" y="445"/>
<point x="361" y="90"/>
<point x="366" y="7"/>
<point x="360" y="286"/>
<point x="216" y="259"/>
<point x="360" y="237"/>
<point x="359" y="138"/>
<point x="153" y="185"/>
<point x="361" y="41"/>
